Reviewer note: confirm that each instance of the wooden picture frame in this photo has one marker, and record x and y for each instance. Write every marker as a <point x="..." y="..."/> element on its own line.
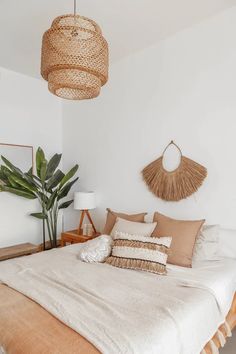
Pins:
<point x="30" y="147"/>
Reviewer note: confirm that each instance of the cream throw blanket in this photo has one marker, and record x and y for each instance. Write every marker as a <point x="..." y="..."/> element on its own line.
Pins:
<point x="124" y="311"/>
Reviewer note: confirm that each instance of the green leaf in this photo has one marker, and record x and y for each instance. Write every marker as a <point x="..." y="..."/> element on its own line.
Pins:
<point x="30" y="172"/>
<point x="68" y="176"/>
<point x="43" y="198"/>
<point x="65" y="190"/>
<point x="65" y="204"/>
<point x="55" y="180"/>
<point x="52" y="165"/>
<point x="23" y="183"/>
<point x="39" y="215"/>
<point x="12" y="182"/>
<point x="11" y="166"/>
<point x="51" y="200"/>
<point x="5" y="170"/>
<point x="18" y="192"/>
<point x="3" y="176"/>
<point x="30" y="178"/>
<point x="40" y="157"/>
<point x="36" y="178"/>
<point x="43" y="170"/>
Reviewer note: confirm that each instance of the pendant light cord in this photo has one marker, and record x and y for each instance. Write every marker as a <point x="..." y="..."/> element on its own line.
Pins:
<point x="75" y="10"/>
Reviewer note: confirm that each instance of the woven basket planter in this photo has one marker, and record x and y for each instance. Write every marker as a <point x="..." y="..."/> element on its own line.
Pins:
<point x="74" y="58"/>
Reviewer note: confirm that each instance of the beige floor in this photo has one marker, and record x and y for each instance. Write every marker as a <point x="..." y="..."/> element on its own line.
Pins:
<point x="230" y="347"/>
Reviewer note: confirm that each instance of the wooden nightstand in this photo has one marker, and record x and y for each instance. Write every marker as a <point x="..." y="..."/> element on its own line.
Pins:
<point x="73" y="237"/>
<point x="20" y="250"/>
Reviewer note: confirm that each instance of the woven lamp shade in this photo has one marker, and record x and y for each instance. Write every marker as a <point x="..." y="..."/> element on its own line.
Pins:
<point x="74" y="58"/>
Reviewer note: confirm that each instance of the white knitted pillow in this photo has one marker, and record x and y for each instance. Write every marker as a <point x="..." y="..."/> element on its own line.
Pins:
<point x="96" y="250"/>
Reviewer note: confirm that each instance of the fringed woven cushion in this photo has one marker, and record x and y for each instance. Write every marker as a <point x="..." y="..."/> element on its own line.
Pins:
<point x="140" y="252"/>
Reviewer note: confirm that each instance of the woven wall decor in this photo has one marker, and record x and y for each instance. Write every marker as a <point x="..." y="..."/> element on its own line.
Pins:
<point x="174" y="185"/>
<point x="74" y="57"/>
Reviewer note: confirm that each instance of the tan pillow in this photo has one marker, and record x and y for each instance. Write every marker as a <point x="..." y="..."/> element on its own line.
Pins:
<point x="111" y="219"/>
<point x="183" y="233"/>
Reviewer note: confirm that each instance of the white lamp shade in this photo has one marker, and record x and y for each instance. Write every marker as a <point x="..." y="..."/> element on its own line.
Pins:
<point x="84" y="200"/>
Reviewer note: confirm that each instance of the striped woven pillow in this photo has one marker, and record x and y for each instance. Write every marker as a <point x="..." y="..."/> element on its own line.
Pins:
<point x="140" y="252"/>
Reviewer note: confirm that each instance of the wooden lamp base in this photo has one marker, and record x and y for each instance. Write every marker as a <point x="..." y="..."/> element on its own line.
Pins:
<point x="83" y="213"/>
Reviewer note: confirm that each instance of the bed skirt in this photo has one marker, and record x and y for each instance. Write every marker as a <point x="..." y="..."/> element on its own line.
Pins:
<point x="229" y="324"/>
<point x="25" y="327"/>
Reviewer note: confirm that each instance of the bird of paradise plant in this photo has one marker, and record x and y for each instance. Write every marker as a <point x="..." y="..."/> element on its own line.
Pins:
<point x="49" y="185"/>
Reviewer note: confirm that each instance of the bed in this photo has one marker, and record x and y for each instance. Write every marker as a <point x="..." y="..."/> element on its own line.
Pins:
<point x="53" y="303"/>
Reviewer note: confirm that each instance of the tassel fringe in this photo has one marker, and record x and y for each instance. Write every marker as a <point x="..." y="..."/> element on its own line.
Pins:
<point x="137" y="264"/>
<point x="221" y="338"/>
<point x="228" y="330"/>
<point x="214" y="349"/>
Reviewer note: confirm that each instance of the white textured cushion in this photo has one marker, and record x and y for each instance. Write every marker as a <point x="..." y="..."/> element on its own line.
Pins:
<point x="96" y="250"/>
<point x="133" y="228"/>
<point x="227" y="243"/>
<point x="207" y="243"/>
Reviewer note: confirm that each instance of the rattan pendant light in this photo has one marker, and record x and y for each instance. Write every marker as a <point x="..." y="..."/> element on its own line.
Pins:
<point x="74" y="57"/>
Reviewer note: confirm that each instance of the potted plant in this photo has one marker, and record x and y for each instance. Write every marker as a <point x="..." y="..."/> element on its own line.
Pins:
<point x="49" y="185"/>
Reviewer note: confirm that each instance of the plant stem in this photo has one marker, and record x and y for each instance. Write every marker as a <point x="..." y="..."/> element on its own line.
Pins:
<point x="52" y="227"/>
<point x="55" y="220"/>
<point x="43" y="210"/>
<point x="44" y="235"/>
<point x="49" y="232"/>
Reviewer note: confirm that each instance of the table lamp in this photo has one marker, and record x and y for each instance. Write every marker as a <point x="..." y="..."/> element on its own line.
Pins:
<point x="85" y="201"/>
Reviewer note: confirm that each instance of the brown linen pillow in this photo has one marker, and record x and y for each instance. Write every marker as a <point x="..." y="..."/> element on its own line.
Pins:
<point x="111" y="219"/>
<point x="183" y="233"/>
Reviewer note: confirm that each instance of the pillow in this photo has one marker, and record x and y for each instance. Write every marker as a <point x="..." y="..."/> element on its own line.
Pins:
<point x="111" y="219"/>
<point x="183" y="235"/>
<point x="206" y="246"/>
<point x="96" y="250"/>
<point x="132" y="227"/>
<point x="227" y="243"/>
<point x="139" y="252"/>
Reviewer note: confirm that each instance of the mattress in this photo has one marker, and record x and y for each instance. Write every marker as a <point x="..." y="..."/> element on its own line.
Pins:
<point x="189" y="294"/>
<point x="220" y="274"/>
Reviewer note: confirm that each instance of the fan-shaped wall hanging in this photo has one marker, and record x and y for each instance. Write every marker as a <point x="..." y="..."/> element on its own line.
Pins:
<point x="174" y="185"/>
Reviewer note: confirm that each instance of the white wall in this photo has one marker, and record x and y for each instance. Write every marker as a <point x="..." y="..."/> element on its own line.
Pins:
<point x="29" y="115"/>
<point x="184" y="88"/>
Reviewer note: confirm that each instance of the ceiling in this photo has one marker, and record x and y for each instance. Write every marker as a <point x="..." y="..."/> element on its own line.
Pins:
<point x="128" y="25"/>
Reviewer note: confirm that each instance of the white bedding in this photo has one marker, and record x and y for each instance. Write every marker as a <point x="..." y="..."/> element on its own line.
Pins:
<point x="126" y="311"/>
